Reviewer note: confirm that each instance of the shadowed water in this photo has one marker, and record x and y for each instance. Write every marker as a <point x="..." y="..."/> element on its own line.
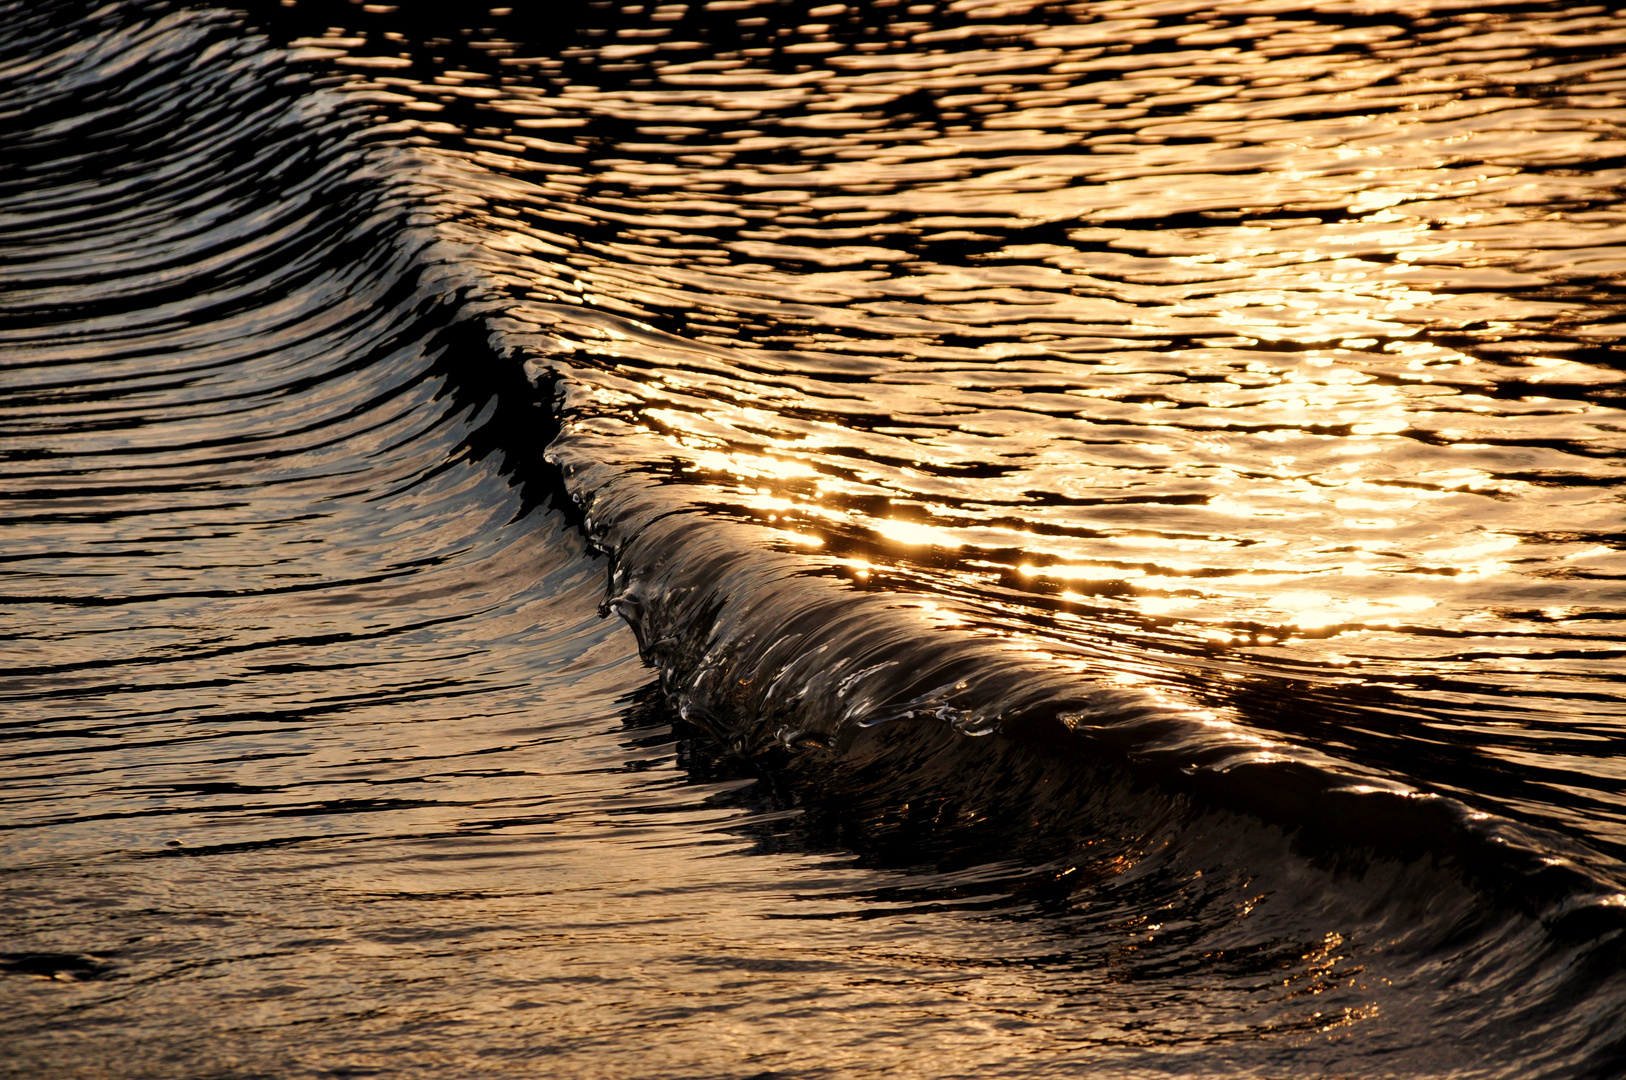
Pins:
<point x="1119" y="501"/>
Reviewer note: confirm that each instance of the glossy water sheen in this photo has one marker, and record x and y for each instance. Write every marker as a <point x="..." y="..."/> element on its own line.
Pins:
<point x="1122" y="500"/>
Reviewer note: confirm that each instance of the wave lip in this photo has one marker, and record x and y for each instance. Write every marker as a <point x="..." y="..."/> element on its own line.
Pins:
<point x="765" y="651"/>
<point x="880" y="711"/>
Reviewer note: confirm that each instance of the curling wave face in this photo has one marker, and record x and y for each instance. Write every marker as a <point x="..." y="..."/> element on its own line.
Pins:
<point x="1118" y="502"/>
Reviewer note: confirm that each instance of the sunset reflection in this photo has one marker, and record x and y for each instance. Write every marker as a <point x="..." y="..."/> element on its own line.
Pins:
<point x="942" y="538"/>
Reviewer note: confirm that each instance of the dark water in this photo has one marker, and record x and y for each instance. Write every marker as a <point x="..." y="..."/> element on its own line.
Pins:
<point x="1114" y="512"/>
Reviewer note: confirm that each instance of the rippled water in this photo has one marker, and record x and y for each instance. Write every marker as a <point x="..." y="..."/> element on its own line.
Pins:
<point x="1113" y="511"/>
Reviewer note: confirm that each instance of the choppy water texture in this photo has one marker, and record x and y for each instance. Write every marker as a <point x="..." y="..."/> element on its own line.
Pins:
<point x="759" y="539"/>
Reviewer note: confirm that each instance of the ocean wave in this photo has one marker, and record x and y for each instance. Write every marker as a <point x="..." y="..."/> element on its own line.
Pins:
<point x="236" y="294"/>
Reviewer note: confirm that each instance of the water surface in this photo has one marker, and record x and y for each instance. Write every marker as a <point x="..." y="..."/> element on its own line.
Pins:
<point x="1112" y="511"/>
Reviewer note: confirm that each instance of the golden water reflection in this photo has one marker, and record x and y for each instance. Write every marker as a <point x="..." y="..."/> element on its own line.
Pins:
<point x="1240" y="337"/>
